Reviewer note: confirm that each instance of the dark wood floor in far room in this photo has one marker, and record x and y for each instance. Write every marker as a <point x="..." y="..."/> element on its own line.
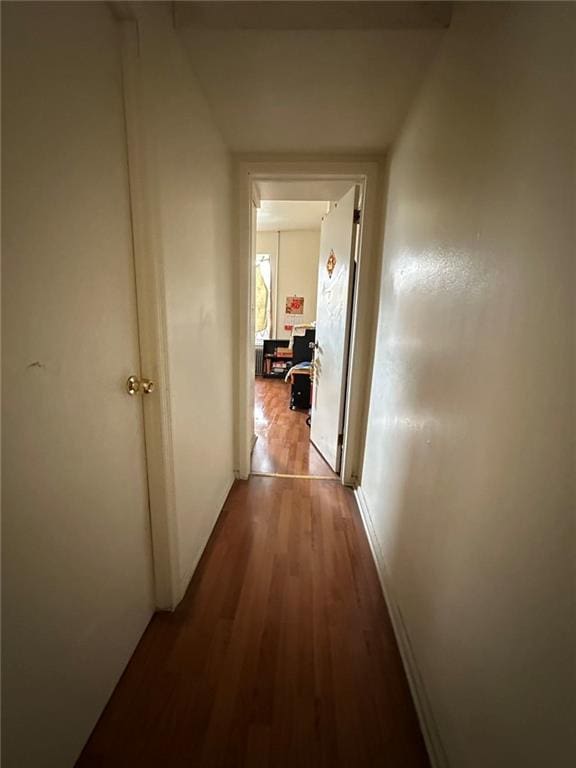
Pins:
<point x="283" y="438"/>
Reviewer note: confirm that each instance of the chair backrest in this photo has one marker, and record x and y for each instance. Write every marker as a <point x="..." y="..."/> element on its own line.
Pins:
<point x="301" y="351"/>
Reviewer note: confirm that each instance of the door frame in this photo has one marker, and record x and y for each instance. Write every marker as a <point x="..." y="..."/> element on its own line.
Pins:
<point x="368" y="173"/>
<point x="151" y="318"/>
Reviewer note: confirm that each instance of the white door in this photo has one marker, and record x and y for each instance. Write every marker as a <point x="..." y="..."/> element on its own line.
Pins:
<point x="333" y="315"/>
<point x="77" y="580"/>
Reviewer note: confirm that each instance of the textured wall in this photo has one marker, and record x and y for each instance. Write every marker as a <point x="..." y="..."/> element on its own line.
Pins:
<point x="468" y="462"/>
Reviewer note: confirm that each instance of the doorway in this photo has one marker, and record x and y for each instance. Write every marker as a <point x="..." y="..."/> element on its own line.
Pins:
<point x="285" y="302"/>
<point x="280" y="408"/>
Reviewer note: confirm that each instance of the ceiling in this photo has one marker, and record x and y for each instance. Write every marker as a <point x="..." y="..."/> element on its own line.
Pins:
<point x="310" y="90"/>
<point x="312" y="14"/>
<point x="282" y="215"/>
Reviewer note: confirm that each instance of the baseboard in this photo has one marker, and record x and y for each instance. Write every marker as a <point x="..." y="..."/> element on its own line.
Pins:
<point x="428" y="726"/>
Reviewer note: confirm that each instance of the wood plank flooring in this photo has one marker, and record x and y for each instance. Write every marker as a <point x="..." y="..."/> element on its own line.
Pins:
<point x="283" y="443"/>
<point x="280" y="656"/>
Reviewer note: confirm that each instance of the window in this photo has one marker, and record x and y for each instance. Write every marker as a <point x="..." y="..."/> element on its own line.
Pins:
<point x="263" y="297"/>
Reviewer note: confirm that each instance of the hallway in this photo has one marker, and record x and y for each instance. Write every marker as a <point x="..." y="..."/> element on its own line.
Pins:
<point x="184" y="180"/>
<point x="283" y="438"/>
<point x="281" y="654"/>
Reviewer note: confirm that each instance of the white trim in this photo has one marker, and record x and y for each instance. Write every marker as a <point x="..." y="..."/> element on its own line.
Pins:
<point x="295" y="477"/>
<point x="153" y="338"/>
<point x="363" y="171"/>
<point x="428" y="725"/>
<point x="275" y="278"/>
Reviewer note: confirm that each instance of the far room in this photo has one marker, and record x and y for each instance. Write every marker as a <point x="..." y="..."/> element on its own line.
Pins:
<point x="303" y="284"/>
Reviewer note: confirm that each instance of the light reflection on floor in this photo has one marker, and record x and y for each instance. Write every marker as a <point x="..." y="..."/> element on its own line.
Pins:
<point x="283" y="437"/>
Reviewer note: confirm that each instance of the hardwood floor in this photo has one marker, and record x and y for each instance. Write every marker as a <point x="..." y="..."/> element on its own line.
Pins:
<point x="283" y="443"/>
<point x="280" y="656"/>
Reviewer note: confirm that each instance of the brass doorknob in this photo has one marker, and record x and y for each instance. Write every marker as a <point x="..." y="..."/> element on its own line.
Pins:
<point x="136" y="386"/>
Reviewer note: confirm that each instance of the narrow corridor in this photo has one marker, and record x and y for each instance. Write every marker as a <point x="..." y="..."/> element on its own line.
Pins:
<point x="281" y="654"/>
<point x="184" y="181"/>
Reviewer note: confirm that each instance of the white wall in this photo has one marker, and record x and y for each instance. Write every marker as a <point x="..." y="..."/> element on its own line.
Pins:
<point x="296" y="254"/>
<point x="192" y="176"/>
<point x="467" y="476"/>
<point x="77" y="574"/>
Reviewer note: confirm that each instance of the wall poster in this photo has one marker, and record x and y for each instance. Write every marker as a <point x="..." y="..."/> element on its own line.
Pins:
<point x="294" y="305"/>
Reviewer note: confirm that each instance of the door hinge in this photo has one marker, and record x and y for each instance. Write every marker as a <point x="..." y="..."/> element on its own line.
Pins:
<point x="357" y="214"/>
<point x="341" y="438"/>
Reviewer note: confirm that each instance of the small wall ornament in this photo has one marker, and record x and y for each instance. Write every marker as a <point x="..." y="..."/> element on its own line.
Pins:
<point x="331" y="263"/>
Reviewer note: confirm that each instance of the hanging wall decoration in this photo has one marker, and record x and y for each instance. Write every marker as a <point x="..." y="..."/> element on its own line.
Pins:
<point x="331" y="263"/>
<point x="294" y="305"/>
